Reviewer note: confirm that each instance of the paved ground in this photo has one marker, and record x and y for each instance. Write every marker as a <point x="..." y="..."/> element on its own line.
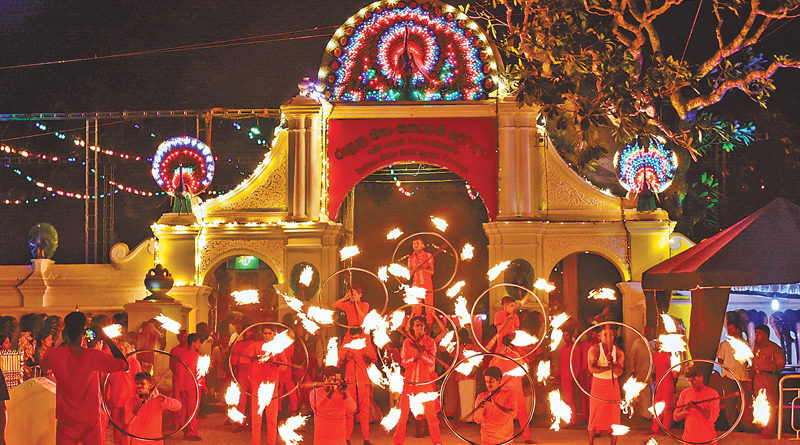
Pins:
<point x="215" y="431"/>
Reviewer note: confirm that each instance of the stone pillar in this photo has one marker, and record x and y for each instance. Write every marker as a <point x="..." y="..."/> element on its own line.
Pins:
<point x="517" y="135"/>
<point x="34" y="288"/>
<point x="305" y="163"/>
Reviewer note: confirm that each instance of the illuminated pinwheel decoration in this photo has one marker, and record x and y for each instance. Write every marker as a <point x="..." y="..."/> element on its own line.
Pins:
<point x="654" y="165"/>
<point x="421" y="50"/>
<point x="183" y="160"/>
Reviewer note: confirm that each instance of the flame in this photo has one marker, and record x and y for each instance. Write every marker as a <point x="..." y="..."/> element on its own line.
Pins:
<point x="439" y="223"/>
<point x="203" y="363"/>
<point x="399" y="271"/>
<point x="356" y="344"/>
<point x="232" y="394"/>
<point x="559" y="320"/>
<point x="375" y="375"/>
<point x="306" y="276"/>
<point x="473" y="360"/>
<point x="390" y="421"/>
<point x="113" y="330"/>
<point x="348" y="252"/>
<point x="672" y="343"/>
<point x="467" y="252"/>
<point x="602" y="293"/>
<point x="247" y="296"/>
<point x="495" y="271"/>
<point x="761" y="408"/>
<point x="741" y="350"/>
<point x="632" y="388"/>
<point x="235" y="415"/>
<point x="293" y="303"/>
<point x="288" y="431"/>
<point x="320" y="315"/>
<point x="522" y="338"/>
<point x="560" y="410"/>
<point x="651" y="441"/>
<point x="414" y="294"/>
<point x="168" y="323"/>
<point x="277" y="345"/>
<point x="265" y="392"/>
<point x="371" y="321"/>
<point x="416" y="401"/>
<point x="669" y="323"/>
<point x="308" y="324"/>
<point x="461" y="311"/>
<point x="448" y="341"/>
<point x="619" y="430"/>
<point x="542" y="284"/>
<point x="657" y="409"/>
<point x="332" y="357"/>
<point x="394" y="234"/>
<point x="555" y="338"/>
<point x="383" y="273"/>
<point x="518" y="371"/>
<point x="543" y="370"/>
<point x="394" y="375"/>
<point x="455" y="289"/>
<point x="396" y="319"/>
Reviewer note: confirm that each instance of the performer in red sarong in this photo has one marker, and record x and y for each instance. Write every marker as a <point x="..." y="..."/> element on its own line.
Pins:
<point x="144" y="411"/>
<point x="606" y="365"/>
<point x="420" y="264"/>
<point x="699" y="405"/>
<point x="185" y="389"/>
<point x="359" y="385"/>
<point x="512" y="382"/>
<point x="332" y="406"/>
<point x="418" y="359"/>
<point x="495" y="409"/>
<point x="76" y="370"/>
<point x="666" y="390"/>
<point x="264" y="372"/>
<point x="120" y="387"/>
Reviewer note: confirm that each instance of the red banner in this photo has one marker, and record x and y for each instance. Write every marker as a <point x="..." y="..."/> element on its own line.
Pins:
<point x="465" y="146"/>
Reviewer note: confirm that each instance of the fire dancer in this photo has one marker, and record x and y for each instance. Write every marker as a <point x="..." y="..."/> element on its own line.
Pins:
<point x="420" y="263"/>
<point x="144" y="411"/>
<point x="662" y="362"/>
<point x="78" y="394"/>
<point x="605" y="363"/>
<point x="185" y="389"/>
<point x="120" y="387"/>
<point x="506" y="321"/>
<point x="332" y="406"/>
<point x="725" y="355"/>
<point x="768" y="362"/>
<point x="418" y="360"/>
<point x="356" y="360"/>
<point x="354" y="309"/>
<point x="495" y="409"/>
<point x="264" y="372"/>
<point x="512" y="381"/>
<point x="699" y="405"/>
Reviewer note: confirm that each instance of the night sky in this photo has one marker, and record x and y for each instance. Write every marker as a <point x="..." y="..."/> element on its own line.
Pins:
<point x="262" y="75"/>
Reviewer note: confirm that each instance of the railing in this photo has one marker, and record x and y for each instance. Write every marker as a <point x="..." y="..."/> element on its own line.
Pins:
<point x="795" y="400"/>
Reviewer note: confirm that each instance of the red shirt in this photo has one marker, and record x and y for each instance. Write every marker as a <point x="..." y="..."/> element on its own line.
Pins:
<point x="419" y="261"/>
<point x="355" y="361"/>
<point x="330" y="415"/>
<point x="509" y="328"/>
<point x="147" y="422"/>
<point x="350" y="312"/>
<point x="121" y="386"/>
<point x="418" y="369"/>
<point x="78" y="394"/>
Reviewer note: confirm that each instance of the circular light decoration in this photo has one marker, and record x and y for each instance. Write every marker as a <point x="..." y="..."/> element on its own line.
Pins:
<point x="419" y="50"/>
<point x="654" y="165"/>
<point x="186" y="157"/>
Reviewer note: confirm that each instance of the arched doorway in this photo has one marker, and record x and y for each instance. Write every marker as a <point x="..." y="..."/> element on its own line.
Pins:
<point x="236" y="280"/>
<point x="576" y="275"/>
<point x="405" y="196"/>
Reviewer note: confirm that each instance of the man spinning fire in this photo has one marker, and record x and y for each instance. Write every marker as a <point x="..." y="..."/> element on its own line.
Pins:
<point x="420" y="264"/>
<point x="606" y="364"/>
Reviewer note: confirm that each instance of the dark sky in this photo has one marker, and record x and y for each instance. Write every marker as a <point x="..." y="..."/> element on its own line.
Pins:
<point x="252" y="75"/>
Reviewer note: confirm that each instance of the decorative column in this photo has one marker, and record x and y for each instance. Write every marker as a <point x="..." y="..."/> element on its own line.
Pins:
<point x="305" y="163"/>
<point x="517" y="138"/>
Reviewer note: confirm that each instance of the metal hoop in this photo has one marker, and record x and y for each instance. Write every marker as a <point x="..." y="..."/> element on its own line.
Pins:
<point x="188" y="420"/>
<point x="296" y="339"/>
<point x="541" y="305"/>
<point x="530" y="382"/>
<point x="577" y="340"/>
<point x="357" y="269"/>
<point x="741" y="398"/>
<point x="453" y="249"/>
<point x="455" y="334"/>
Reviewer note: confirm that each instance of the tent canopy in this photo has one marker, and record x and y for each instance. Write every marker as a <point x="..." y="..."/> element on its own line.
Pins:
<point x="763" y="248"/>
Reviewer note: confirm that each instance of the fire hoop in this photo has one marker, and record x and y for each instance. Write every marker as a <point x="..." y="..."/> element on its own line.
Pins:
<point x="455" y="334"/>
<point x="577" y="340"/>
<point x="502" y="356"/>
<point x="449" y="247"/>
<point x="357" y="269"/>
<point x="724" y="369"/>
<point x="156" y="381"/>
<point x="486" y="292"/>
<point x="296" y="340"/>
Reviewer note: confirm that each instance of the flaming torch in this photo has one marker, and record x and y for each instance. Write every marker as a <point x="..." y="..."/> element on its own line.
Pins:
<point x="631" y="389"/>
<point x="288" y="431"/>
<point x="320" y="315"/>
<point x="543" y="370"/>
<point x="619" y="430"/>
<point x="559" y="320"/>
<point x="348" y="252"/>
<point x="461" y="312"/>
<point x="555" y="338"/>
<point x="247" y="296"/>
<point x="542" y="284"/>
<point x="168" y="323"/>
<point x="203" y="363"/>
<point x="278" y="344"/>
<point x="390" y="421"/>
<point x="383" y="273"/>
<point x="356" y="344"/>
<point x="455" y="289"/>
<point x="394" y="234"/>
<point x="113" y="330"/>
<point x="399" y="271"/>
<point x="265" y="392"/>
<point x="232" y="394"/>
<point x="473" y="360"/>
<point x="522" y="339"/>
<point x="306" y="276"/>
<point x="761" y="409"/>
<point x="235" y="415"/>
<point x="467" y="252"/>
<point x="440" y="224"/>
<point x="602" y="293"/>
<point x="414" y="294"/>
<point x="560" y="410"/>
<point x="416" y="401"/>
<point x="494" y="272"/>
<point x="332" y="357"/>
<point x="741" y="350"/>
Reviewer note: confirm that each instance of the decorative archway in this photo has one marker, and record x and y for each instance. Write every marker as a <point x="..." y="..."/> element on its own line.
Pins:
<point x="576" y="275"/>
